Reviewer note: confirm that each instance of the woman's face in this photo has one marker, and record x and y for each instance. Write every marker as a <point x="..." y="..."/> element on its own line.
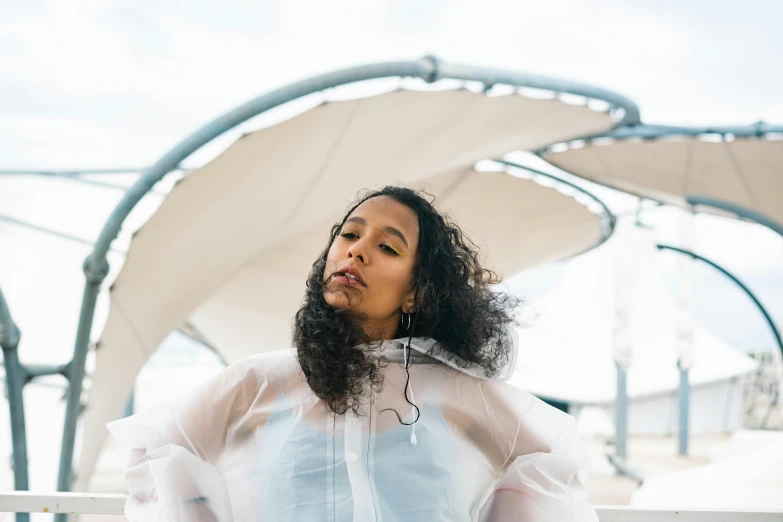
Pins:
<point x="369" y="267"/>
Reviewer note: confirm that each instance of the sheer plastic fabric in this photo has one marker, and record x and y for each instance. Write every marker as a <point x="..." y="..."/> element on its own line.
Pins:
<point x="255" y="444"/>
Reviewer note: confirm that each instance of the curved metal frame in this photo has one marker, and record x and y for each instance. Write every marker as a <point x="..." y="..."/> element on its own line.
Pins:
<point x="611" y="219"/>
<point x="735" y="280"/>
<point x="54" y="233"/>
<point x="76" y="176"/>
<point x="684" y="395"/>
<point x="739" y="211"/>
<point x="428" y="68"/>
<point x="73" y="173"/>
<point x="652" y="132"/>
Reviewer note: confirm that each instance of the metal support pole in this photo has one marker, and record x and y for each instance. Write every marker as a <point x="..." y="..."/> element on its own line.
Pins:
<point x="15" y="377"/>
<point x="630" y="254"/>
<point x="95" y="275"/>
<point x="684" y="412"/>
<point x="621" y="414"/>
<point x="685" y="327"/>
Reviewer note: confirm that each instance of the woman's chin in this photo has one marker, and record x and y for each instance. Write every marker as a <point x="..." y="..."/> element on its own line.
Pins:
<point x="338" y="299"/>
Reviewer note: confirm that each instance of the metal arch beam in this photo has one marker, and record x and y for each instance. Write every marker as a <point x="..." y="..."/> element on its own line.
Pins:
<point x="76" y="177"/>
<point x="748" y="292"/>
<point x="611" y="218"/>
<point x="738" y="210"/>
<point x="44" y="230"/>
<point x="756" y="130"/>
<point x="428" y="68"/>
<point x="49" y="231"/>
<point x="651" y="132"/>
<point x="74" y="173"/>
<point x="65" y="176"/>
<point x="491" y="76"/>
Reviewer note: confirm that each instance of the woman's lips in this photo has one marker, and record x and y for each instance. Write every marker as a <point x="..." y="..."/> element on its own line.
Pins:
<point x="347" y="281"/>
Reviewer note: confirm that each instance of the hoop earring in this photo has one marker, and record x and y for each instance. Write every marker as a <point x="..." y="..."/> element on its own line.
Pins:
<point x="405" y="315"/>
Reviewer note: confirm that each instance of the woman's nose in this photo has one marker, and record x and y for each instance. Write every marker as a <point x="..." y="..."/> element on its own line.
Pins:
<point x="358" y="252"/>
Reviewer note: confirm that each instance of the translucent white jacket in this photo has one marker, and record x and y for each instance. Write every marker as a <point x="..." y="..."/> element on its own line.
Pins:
<point x="255" y="444"/>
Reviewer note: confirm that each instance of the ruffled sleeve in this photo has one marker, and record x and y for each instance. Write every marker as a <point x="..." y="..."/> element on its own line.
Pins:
<point x="171" y="452"/>
<point x="544" y="478"/>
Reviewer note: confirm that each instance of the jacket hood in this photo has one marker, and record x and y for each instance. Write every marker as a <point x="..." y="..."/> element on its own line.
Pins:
<point x="431" y="348"/>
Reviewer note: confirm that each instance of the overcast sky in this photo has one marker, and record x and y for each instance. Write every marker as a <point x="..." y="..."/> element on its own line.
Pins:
<point x="97" y="83"/>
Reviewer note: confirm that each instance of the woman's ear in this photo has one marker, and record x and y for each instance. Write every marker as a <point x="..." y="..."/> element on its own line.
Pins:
<point x="409" y="304"/>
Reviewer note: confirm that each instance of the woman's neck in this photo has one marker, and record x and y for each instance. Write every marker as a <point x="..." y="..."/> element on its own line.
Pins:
<point x="380" y="330"/>
<point x="383" y="333"/>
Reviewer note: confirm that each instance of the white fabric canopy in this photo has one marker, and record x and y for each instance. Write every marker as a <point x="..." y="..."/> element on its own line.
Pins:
<point x="747" y="171"/>
<point x="566" y="354"/>
<point x="229" y="249"/>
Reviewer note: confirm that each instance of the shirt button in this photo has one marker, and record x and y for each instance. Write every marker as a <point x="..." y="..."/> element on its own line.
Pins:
<point x="353" y="457"/>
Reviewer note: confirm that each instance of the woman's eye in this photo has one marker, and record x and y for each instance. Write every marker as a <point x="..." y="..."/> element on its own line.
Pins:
<point x="351" y="236"/>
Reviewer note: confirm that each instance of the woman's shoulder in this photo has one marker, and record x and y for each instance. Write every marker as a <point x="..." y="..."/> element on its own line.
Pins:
<point x="267" y="359"/>
<point x="517" y="403"/>
<point x="279" y="365"/>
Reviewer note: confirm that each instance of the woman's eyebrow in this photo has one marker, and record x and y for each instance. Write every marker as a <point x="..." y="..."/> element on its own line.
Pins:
<point x="389" y="230"/>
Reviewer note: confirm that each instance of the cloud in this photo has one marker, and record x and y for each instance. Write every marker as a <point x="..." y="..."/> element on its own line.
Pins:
<point x="136" y="70"/>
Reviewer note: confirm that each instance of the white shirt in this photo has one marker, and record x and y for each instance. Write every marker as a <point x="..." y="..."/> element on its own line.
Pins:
<point x="256" y="444"/>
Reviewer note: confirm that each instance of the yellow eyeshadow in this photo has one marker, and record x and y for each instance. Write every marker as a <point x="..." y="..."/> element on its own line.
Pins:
<point x="344" y="233"/>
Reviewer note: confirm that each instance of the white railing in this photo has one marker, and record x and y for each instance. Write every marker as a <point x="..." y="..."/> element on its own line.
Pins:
<point x="102" y="504"/>
<point x="81" y="503"/>
<point x="631" y="514"/>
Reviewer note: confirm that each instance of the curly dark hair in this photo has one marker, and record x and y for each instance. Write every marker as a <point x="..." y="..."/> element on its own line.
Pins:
<point x="455" y="305"/>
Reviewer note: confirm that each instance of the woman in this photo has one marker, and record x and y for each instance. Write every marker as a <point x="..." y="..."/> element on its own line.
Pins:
<point x="391" y="407"/>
